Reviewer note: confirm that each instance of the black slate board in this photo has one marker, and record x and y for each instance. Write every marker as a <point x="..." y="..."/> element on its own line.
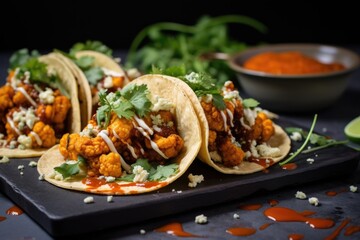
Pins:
<point x="62" y="212"/>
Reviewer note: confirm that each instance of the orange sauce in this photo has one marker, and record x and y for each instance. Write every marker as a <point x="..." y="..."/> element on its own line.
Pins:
<point x="14" y="210"/>
<point x="251" y="206"/>
<point x="273" y="202"/>
<point x="337" y="231"/>
<point x="264" y="226"/>
<point x="282" y="214"/>
<point x="239" y="231"/>
<point x="175" y="229"/>
<point x="289" y="63"/>
<point x="2" y="218"/>
<point x="289" y="166"/>
<point x="350" y="230"/>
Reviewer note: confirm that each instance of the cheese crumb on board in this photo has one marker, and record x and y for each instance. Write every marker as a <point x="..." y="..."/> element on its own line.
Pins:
<point x="201" y="219"/>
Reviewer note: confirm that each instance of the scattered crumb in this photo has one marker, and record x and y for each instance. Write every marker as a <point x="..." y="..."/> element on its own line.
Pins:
<point x="21" y="173"/>
<point x="300" y="195"/>
<point x="109" y="199"/>
<point x="41" y="177"/>
<point x="324" y="129"/>
<point x="4" y="159"/>
<point x="236" y="216"/>
<point x="177" y="191"/>
<point x="314" y="201"/>
<point x="296" y="136"/>
<point x="21" y="167"/>
<point x="310" y="160"/>
<point x="195" y="179"/>
<point x="142" y="232"/>
<point x="201" y="219"/>
<point x="316" y="155"/>
<point x="353" y="188"/>
<point x="32" y="164"/>
<point x="309" y="147"/>
<point x="88" y="200"/>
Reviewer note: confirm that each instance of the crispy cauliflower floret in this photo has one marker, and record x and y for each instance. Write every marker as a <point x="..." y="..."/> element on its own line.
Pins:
<point x="231" y="154"/>
<point x="213" y="116"/>
<point x="91" y="147"/>
<point x="170" y="146"/>
<point x="110" y="165"/>
<point x="46" y="134"/>
<point x="212" y="140"/>
<point x="67" y="146"/>
<point x="93" y="167"/>
<point x="61" y="106"/>
<point x="268" y="127"/>
<point x="6" y="94"/>
<point x="121" y="126"/>
<point x="118" y="82"/>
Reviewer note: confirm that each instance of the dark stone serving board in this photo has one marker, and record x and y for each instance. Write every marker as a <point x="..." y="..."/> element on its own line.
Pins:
<point x="62" y="212"/>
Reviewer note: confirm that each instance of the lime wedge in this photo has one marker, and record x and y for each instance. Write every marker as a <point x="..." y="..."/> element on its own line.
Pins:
<point x="352" y="130"/>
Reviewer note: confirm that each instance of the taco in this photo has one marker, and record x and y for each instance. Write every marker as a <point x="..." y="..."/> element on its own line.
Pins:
<point x="94" y="70"/>
<point x="238" y="136"/>
<point x="142" y="138"/>
<point x="38" y="104"/>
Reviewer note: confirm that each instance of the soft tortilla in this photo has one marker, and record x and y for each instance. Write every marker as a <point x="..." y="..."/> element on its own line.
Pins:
<point x="73" y="119"/>
<point x="188" y="127"/>
<point x="280" y="138"/>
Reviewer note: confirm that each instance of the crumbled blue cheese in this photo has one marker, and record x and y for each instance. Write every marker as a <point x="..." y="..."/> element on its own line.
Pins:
<point x="195" y="179"/>
<point x="141" y="174"/>
<point x="21" y="167"/>
<point x="24" y="141"/>
<point x="300" y="195"/>
<point x="314" y="201"/>
<point x="47" y="96"/>
<point x="110" y="179"/>
<point x="310" y="160"/>
<point x="268" y="151"/>
<point x="353" y="188"/>
<point x="236" y="216"/>
<point x="109" y="198"/>
<point x="108" y="82"/>
<point x="2" y="136"/>
<point x="142" y="232"/>
<point x="32" y="164"/>
<point x="206" y="98"/>
<point x="156" y="119"/>
<point x="162" y="104"/>
<point x="133" y="73"/>
<point x="89" y="200"/>
<point x="41" y="177"/>
<point x="56" y="175"/>
<point x="12" y="144"/>
<point x="253" y="149"/>
<point x="296" y="136"/>
<point x="90" y="131"/>
<point x="229" y="95"/>
<point x="201" y="219"/>
<point x="4" y="159"/>
<point x="109" y="72"/>
<point x="25" y="117"/>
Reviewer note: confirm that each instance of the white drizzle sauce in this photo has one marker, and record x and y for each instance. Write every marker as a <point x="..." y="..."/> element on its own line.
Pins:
<point x="12" y="125"/>
<point x="37" y="138"/>
<point x="144" y="125"/>
<point x="131" y="149"/>
<point x="224" y="119"/>
<point x="27" y="96"/>
<point x="104" y="135"/>
<point x="231" y="117"/>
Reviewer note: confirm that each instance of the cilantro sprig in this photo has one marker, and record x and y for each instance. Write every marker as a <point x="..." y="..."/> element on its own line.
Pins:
<point x="132" y="99"/>
<point x="156" y="172"/>
<point x="96" y="46"/>
<point x="170" y="44"/>
<point x="70" y="169"/>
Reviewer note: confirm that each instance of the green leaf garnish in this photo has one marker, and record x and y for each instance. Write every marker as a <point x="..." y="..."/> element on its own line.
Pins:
<point x="132" y="99"/>
<point x="303" y="145"/>
<point x="93" y="75"/>
<point x="250" y="103"/>
<point x="20" y="57"/>
<point x="91" y="45"/>
<point x="85" y="62"/>
<point x="68" y="170"/>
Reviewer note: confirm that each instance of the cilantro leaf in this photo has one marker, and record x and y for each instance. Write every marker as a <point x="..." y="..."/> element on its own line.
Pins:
<point x="85" y="62"/>
<point x="162" y="172"/>
<point x="69" y="169"/>
<point x="137" y="96"/>
<point x="20" y="57"/>
<point x="250" y="103"/>
<point x="91" y="45"/>
<point x="93" y="75"/>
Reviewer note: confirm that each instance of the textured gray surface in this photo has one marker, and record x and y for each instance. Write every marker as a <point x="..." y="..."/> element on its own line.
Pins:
<point x="220" y="216"/>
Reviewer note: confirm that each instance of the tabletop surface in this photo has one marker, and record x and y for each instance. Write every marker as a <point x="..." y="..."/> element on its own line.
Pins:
<point x="341" y="206"/>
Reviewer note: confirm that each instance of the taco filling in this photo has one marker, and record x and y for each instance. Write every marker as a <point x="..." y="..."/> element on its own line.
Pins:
<point x="134" y="137"/>
<point x="34" y="105"/>
<point x="238" y="136"/>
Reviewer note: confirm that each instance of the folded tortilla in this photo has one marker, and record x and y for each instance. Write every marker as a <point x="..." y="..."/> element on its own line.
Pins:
<point x="187" y="126"/>
<point x="279" y="140"/>
<point x="54" y="65"/>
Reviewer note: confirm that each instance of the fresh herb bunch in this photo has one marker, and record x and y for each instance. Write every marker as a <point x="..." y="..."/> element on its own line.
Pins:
<point x="132" y="99"/>
<point x="175" y="44"/>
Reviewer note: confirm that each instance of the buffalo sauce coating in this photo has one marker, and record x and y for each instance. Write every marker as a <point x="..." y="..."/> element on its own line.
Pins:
<point x="290" y="62"/>
<point x="175" y="229"/>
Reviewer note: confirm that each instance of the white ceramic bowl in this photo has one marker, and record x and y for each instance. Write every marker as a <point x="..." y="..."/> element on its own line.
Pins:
<point x="296" y="92"/>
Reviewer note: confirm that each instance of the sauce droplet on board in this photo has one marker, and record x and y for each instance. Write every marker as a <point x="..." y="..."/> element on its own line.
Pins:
<point x="295" y="236"/>
<point x="2" y="218"/>
<point x="238" y="231"/>
<point x="175" y="229"/>
<point x="251" y="206"/>
<point x="14" y="210"/>
<point x="289" y="166"/>
<point x="264" y="162"/>
<point x="282" y="214"/>
<point x="337" y="231"/>
<point x="273" y="202"/>
<point x="264" y="226"/>
<point x="334" y="193"/>
<point x="350" y="230"/>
